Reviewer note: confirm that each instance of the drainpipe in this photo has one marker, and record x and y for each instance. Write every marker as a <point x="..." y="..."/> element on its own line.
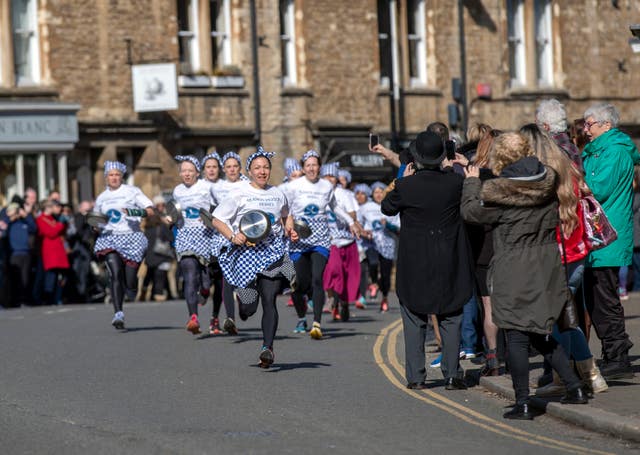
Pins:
<point x="463" y="68"/>
<point x="257" y="133"/>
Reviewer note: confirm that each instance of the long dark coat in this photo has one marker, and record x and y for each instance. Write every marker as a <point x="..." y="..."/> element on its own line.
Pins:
<point x="434" y="269"/>
<point x="526" y="278"/>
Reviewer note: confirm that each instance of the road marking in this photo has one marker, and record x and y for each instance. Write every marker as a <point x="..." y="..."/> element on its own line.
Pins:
<point x="394" y="370"/>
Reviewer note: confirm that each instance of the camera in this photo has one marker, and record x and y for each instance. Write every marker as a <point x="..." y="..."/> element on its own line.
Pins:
<point x="373" y="140"/>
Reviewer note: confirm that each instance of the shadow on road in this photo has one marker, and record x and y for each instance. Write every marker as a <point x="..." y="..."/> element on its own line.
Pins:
<point x="294" y="366"/>
<point x="150" y="329"/>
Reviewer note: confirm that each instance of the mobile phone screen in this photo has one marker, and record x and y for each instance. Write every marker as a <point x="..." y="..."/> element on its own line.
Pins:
<point x="450" y="146"/>
<point x="373" y="140"/>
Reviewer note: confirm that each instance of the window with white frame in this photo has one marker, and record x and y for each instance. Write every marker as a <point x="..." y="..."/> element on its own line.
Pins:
<point x="384" y="41"/>
<point x="188" y="36"/>
<point x="288" y="42"/>
<point x="220" y="19"/>
<point x="544" y="53"/>
<point x="417" y="42"/>
<point x="517" y="54"/>
<point x="530" y="37"/>
<point x="26" y="52"/>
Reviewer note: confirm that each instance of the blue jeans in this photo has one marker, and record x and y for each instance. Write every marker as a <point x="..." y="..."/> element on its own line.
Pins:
<point x="469" y="336"/>
<point x="623" y="277"/>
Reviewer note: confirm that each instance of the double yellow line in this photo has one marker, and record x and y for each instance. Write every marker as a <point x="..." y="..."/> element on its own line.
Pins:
<point x="394" y="372"/>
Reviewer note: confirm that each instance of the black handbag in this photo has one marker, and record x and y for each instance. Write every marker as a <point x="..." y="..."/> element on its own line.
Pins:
<point x="568" y="318"/>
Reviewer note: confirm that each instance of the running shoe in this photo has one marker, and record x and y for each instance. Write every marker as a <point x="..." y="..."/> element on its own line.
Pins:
<point x="118" y="320"/>
<point x="229" y="326"/>
<point x="384" y="306"/>
<point x="622" y="293"/>
<point x="301" y="326"/>
<point x="316" y="331"/>
<point x="327" y="308"/>
<point x="467" y="354"/>
<point x="361" y="303"/>
<point x="266" y="357"/>
<point x="344" y="311"/>
<point x="290" y="301"/>
<point x="336" y="315"/>
<point x="214" y="327"/>
<point x="436" y="362"/>
<point x="373" y="290"/>
<point x="310" y="304"/>
<point x="193" y="325"/>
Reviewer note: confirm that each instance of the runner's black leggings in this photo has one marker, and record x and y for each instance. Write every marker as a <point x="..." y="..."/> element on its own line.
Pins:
<point x="309" y="269"/>
<point x="268" y="290"/>
<point x="215" y="273"/>
<point x="386" y="265"/>
<point x="191" y="282"/>
<point x="124" y="278"/>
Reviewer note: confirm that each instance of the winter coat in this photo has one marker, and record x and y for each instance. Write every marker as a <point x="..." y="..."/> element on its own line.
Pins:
<point x="526" y="278"/>
<point x="434" y="267"/>
<point x="52" y="249"/>
<point x="160" y="238"/>
<point x="636" y="219"/>
<point x="608" y="165"/>
<point x="20" y="234"/>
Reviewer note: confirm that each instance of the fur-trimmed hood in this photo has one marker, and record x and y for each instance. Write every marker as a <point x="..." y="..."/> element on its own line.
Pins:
<point x="521" y="191"/>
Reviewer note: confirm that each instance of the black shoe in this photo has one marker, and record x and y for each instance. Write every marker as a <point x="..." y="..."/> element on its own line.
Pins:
<point x="575" y="396"/>
<point x="417" y="385"/>
<point x="545" y="379"/>
<point x="616" y="370"/>
<point x="519" y="412"/>
<point x="454" y="384"/>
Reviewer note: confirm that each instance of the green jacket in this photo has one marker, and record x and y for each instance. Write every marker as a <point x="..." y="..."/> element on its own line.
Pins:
<point x="608" y="164"/>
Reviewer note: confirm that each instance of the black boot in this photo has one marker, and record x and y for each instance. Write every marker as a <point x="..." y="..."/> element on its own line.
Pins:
<point x="575" y="396"/>
<point x="619" y="368"/>
<point x="519" y="412"/>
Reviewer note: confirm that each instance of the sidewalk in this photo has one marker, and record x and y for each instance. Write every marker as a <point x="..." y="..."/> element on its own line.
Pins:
<point x="616" y="411"/>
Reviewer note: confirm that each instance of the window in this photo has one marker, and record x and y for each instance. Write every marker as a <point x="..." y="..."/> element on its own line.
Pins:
<point x="515" y="14"/>
<point x="416" y="40"/>
<point x="188" y="36"/>
<point x="544" y="59"/>
<point x="384" y="41"/>
<point x="220" y="20"/>
<point x="25" y="42"/>
<point x="288" y="42"/>
<point x="530" y="38"/>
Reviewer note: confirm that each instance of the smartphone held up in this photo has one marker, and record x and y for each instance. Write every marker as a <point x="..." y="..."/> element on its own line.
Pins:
<point x="373" y="140"/>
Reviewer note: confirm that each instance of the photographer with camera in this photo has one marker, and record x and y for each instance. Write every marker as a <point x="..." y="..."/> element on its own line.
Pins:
<point x="21" y="227"/>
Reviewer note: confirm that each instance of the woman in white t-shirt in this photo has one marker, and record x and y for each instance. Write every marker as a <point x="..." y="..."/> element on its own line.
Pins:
<point x="382" y="231"/>
<point x="193" y="238"/>
<point x="310" y="198"/>
<point x="121" y="243"/>
<point x="258" y="272"/>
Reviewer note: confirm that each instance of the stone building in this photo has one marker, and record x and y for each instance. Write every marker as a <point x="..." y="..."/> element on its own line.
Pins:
<point x="289" y="74"/>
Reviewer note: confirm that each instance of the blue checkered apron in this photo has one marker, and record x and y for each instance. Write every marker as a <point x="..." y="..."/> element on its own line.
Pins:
<point x="131" y="246"/>
<point x="320" y="235"/>
<point x="194" y="241"/>
<point x="385" y="243"/>
<point x="241" y="264"/>
<point x="338" y="229"/>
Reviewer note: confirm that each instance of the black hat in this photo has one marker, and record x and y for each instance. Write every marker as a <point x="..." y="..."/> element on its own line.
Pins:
<point x="429" y="149"/>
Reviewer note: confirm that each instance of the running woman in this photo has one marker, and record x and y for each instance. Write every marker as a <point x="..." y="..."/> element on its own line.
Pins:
<point x="362" y="193"/>
<point x="383" y="231"/>
<point x="121" y="243"/>
<point x="258" y="271"/>
<point x="309" y="197"/>
<point x="193" y="239"/>
<point x="211" y="166"/>
<point x="342" y="273"/>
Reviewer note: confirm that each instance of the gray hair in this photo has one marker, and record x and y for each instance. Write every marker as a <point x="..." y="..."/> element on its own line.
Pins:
<point x="552" y="113"/>
<point x="603" y="112"/>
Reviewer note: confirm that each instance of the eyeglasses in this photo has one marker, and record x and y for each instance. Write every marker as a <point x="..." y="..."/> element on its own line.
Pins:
<point x="588" y="125"/>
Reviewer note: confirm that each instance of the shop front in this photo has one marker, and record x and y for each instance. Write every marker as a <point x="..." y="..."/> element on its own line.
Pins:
<point x="35" y="141"/>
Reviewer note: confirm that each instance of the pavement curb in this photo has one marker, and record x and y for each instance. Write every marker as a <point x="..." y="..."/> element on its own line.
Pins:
<point x="586" y="416"/>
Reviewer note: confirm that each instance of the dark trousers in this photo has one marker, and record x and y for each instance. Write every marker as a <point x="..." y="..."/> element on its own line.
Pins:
<point x="607" y="313"/>
<point x="20" y="274"/>
<point x="518" y="354"/>
<point x="309" y="269"/>
<point x="415" y="337"/>
<point x="383" y="277"/>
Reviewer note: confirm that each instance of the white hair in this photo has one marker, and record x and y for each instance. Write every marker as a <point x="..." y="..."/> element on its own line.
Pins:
<point x="603" y="112"/>
<point x="552" y="113"/>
